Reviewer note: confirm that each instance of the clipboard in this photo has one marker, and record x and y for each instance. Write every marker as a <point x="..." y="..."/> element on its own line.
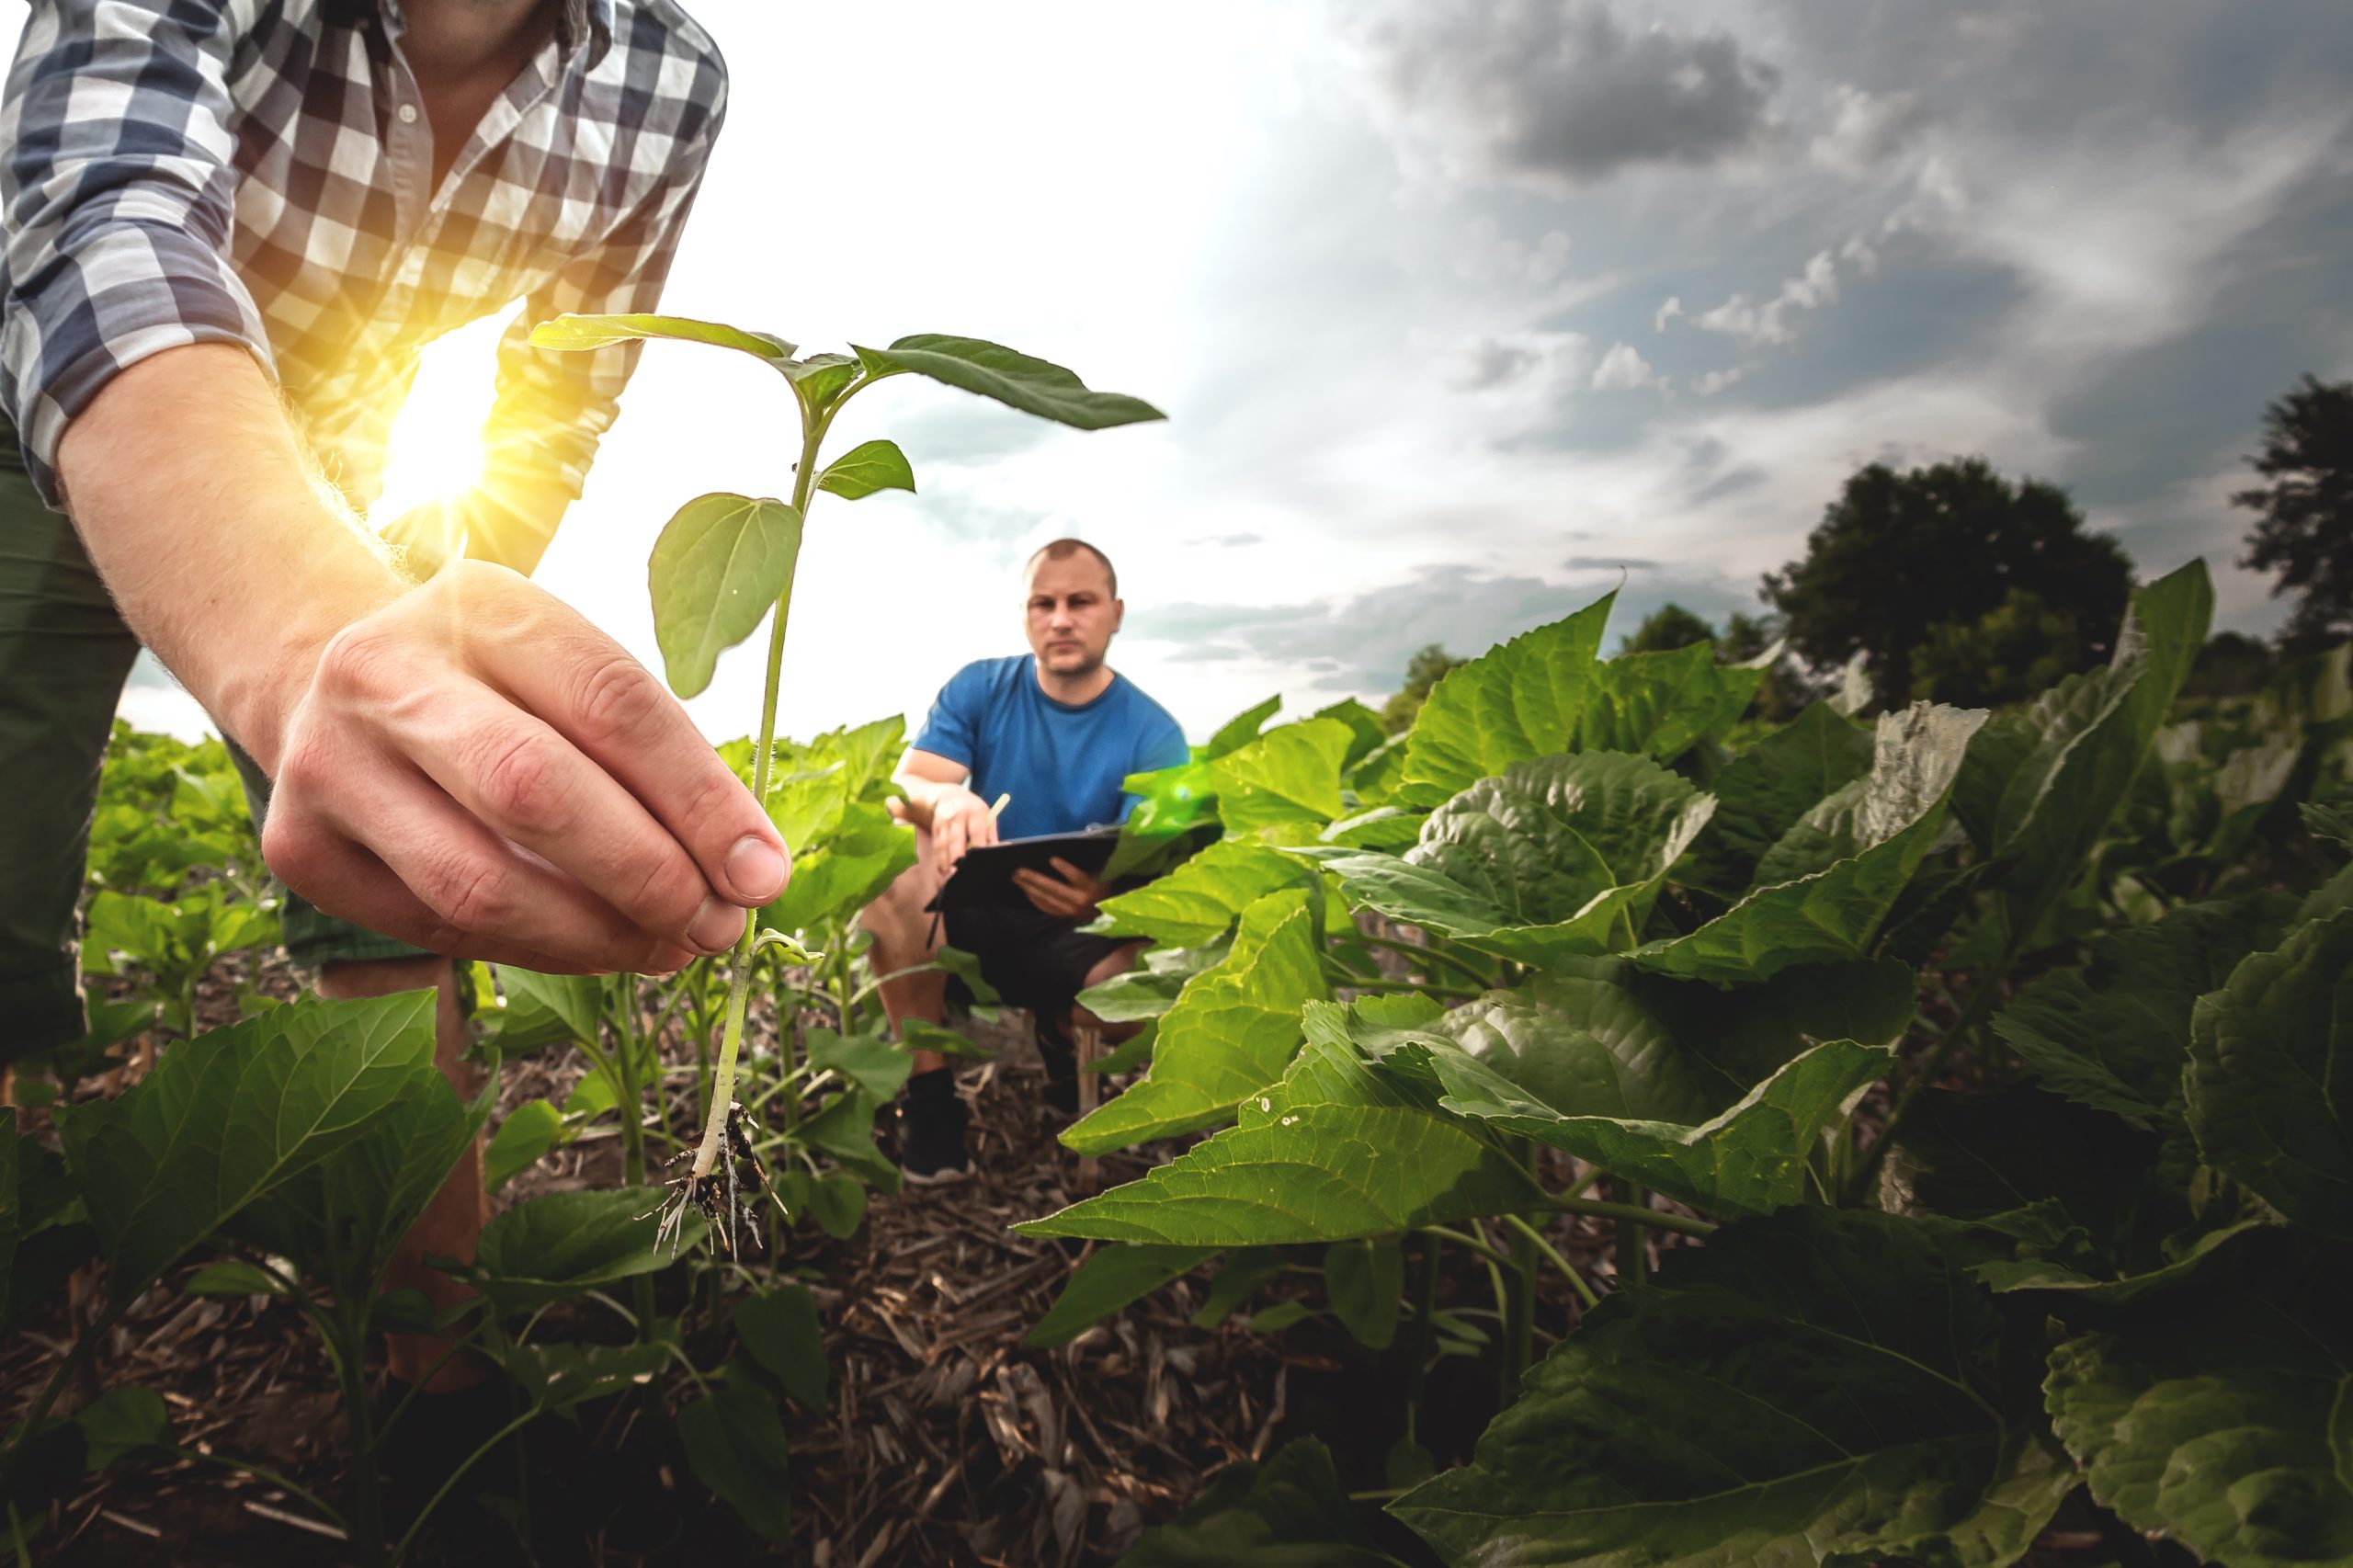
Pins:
<point x="983" y="877"/>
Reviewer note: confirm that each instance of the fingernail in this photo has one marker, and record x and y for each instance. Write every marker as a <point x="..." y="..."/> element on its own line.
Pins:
<point x="756" y="868"/>
<point x="717" y="927"/>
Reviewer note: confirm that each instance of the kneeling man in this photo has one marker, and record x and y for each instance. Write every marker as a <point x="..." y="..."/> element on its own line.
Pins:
<point x="1057" y="730"/>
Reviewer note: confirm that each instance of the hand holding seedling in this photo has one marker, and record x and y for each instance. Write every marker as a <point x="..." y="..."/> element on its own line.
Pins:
<point x="467" y="764"/>
<point x="477" y="769"/>
<point x="1074" y="895"/>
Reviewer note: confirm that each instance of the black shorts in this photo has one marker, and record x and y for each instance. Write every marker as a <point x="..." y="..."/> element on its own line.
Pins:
<point x="1033" y="960"/>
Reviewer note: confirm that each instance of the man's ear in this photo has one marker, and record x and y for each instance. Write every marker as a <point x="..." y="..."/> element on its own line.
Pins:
<point x="1118" y="615"/>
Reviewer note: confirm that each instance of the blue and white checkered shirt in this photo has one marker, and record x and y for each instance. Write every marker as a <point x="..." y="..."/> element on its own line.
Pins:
<point x="259" y="172"/>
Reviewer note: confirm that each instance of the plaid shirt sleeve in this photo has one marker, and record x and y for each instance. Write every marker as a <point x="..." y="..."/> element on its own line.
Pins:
<point x="552" y="408"/>
<point x="118" y="179"/>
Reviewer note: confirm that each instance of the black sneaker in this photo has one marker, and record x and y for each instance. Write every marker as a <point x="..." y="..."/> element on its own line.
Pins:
<point x="931" y="1130"/>
<point x="1062" y="1066"/>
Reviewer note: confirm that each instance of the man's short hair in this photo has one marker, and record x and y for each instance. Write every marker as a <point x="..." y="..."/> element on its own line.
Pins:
<point x="1063" y="550"/>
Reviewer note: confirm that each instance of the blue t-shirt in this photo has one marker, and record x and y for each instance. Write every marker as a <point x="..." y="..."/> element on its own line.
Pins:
<point x="1060" y="762"/>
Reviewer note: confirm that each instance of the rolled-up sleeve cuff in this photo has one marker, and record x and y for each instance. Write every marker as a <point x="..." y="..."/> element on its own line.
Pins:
<point x="131" y="290"/>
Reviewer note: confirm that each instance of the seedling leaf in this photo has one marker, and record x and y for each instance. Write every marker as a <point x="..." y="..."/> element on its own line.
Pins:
<point x="1015" y="379"/>
<point x="867" y="468"/>
<point x="719" y="567"/>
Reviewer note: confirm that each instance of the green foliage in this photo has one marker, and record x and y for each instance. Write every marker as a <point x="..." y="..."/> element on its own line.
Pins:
<point x="1901" y="560"/>
<point x="2304" y="527"/>
<point x="1520" y="699"/>
<point x="719" y="566"/>
<point x="1665" y="629"/>
<point x="1423" y="671"/>
<point x="1292" y="1512"/>
<point x="1109" y="1280"/>
<point x="1819" y="1386"/>
<point x="226" y="1119"/>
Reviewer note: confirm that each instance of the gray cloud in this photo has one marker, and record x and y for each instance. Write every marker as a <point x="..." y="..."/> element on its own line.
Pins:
<point x="1361" y="645"/>
<point x="1559" y="93"/>
<point x="1607" y="563"/>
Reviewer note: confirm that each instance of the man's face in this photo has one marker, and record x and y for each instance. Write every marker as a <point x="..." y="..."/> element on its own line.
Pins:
<point x="1071" y="613"/>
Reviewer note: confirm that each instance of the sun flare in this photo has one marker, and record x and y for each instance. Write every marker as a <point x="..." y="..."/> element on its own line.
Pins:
<point x="434" y="451"/>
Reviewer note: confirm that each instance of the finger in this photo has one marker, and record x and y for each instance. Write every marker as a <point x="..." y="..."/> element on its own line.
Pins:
<point x="984" y="829"/>
<point x="613" y="711"/>
<point x="474" y="888"/>
<point x="528" y="784"/>
<point x="1071" y="874"/>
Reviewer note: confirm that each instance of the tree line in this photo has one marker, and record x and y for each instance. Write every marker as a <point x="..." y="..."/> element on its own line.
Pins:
<point x="1956" y="584"/>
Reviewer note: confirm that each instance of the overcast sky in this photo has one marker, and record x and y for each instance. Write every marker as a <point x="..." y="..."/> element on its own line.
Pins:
<point x="1460" y="311"/>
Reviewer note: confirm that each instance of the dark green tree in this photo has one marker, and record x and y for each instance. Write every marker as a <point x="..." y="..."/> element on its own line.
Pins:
<point x="1423" y="671"/>
<point x="2304" y="516"/>
<point x="2006" y="656"/>
<point x="1665" y="629"/>
<point x="1785" y="691"/>
<point x="1899" y="556"/>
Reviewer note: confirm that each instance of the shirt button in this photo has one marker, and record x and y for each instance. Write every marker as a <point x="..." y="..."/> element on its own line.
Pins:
<point x="408" y="114"/>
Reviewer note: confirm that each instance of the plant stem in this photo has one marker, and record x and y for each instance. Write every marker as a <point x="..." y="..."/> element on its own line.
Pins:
<point x="1415" y="950"/>
<point x="1417" y="1371"/>
<point x="739" y="979"/>
<point x="1355" y="981"/>
<point x="346" y="1330"/>
<point x="633" y="1104"/>
<point x="1568" y="1270"/>
<point x="1519" y="1320"/>
<point x="1469" y="1243"/>
<point x="1633" y="1248"/>
<point x="434" y="1502"/>
<point x="1627" y="1213"/>
<point x="1981" y="1002"/>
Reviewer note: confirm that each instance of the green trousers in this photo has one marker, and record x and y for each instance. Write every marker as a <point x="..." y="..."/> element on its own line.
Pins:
<point x="64" y="654"/>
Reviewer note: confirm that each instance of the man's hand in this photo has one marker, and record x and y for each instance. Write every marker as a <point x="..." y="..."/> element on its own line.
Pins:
<point x="466" y="765"/>
<point x="476" y="769"/>
<point x="1074" y="896"/>
<point x="960" y="821"/>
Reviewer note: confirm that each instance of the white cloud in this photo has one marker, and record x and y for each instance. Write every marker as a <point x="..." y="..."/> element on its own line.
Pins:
<point x="1667" y="312"/>
<point x="1714" y="382"/>
<point x="1624" y="369"/>
<point x="1768" y="321"/>
<point x="1865" y="129"/>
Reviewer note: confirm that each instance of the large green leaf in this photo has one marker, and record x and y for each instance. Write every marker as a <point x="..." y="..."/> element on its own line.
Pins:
<point x="1112" y="1279"/>
<point x="867" y="468"/>
<point x="2219" y="1420"/>
<point x="2043" y="780"/>
<point x="561" y="1377"/>
<point x="1749" y="1158"/>
<point x="1762" y="792"/>
<point x="1198" y="901"/>
<point x="227" y="1117"/>
<point x="1715" y="1098"/>
<point x="2079" y="1201"/>
<point x="1523" y="700"/>
<point x="1663" y="704"/>
<point x="1292" y="1512"/>
<point x="736" y="1445"/>
<point x="720" y="565"/>
<point x="542" y="1008"/>
<point x="1333" y="1151"/>
<point x="342" y="1219"/>
<point x="867" y="848"/>
<point x="1820" y="1387"/>
<point x="2114" y="1034"/>
<point x="1560" y="855"/>
<point x="781" y="1330"/>
<point x="2271" y="1078"/>
<point x="1239" y="730"/>
<point x="1150" y="989"/>
<point x="1288" y="777"/>
<point x="1015" y="379"/>
<point x="1847" y="860"/>
<point x="1229" y="1035"/>
<point x="576" y="332"/>
<point x="561" y="1243"/>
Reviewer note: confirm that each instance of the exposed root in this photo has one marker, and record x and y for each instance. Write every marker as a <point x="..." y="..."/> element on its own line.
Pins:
<point x="726" y="1196"/>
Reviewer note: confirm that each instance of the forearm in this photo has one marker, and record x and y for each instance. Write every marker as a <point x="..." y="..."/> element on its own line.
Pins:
<point x="925" y="795"/>
<point x="195" y="501"/>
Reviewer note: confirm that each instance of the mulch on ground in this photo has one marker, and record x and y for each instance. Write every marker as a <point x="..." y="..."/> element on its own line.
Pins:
<point x="945" y="1442"/>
